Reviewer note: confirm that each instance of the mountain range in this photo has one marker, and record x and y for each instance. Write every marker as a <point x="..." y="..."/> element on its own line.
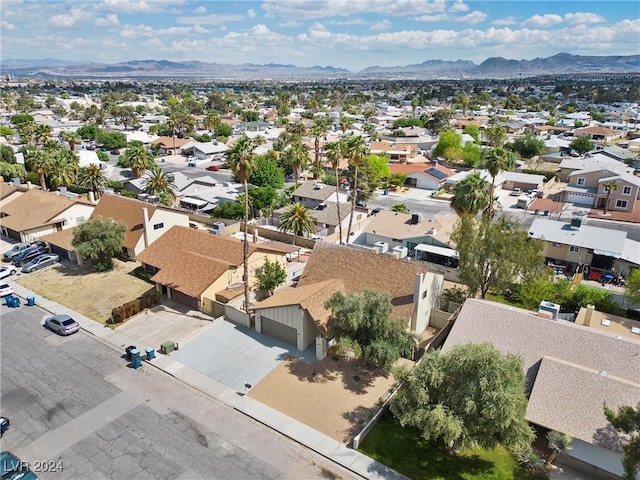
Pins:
<point x="494" y="67"/>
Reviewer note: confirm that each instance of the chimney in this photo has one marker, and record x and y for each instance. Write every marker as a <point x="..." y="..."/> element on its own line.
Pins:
<point x="145" y="226"/>
<point x="255" y="236"/>
<point x="92" y="197"/>
<point x="588" y="315"/>
<point x="417" y="288"/>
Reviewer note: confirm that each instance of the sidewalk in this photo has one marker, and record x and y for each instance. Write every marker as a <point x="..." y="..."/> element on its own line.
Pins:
<point x="329" y="448"/>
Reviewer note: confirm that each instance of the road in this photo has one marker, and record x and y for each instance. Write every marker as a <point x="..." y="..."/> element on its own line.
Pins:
<point x="73" y="400"/>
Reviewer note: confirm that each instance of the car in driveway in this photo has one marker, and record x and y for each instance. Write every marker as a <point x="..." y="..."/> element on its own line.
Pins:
<point x="213" y="168"/>
<point x="515" y="192"/>
<point x="62" y="324"/>
<point x="40" y="262"/>
<point x="7" y="270"/>
<point x="15" y="250"/>
<point x="12" y="468"/>
<point x="28" y="255"/>
<point x="5" y="289"/>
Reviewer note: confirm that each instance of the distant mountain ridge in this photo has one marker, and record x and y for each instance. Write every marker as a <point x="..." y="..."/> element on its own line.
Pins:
<point x="494" y="67"/>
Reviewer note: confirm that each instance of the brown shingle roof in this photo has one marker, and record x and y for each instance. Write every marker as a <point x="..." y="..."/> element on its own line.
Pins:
<point x="61" y="238"/>
<point x="7" y="189"/>
<point x="126" y="210"/>
<point x="33" y="209"/>
<point x="192" y="275"/>
<point x="168" y="142"/>
<point x="360" y="269"/>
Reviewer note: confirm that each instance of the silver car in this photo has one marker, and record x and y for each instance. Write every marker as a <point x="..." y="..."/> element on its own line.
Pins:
<point x="40" y="262"/>
<point x="15" y="250"/>
<point x="62" y="324"/>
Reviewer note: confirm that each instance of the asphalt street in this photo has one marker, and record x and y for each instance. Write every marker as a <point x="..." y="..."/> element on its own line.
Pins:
<point x="74" y="400"/>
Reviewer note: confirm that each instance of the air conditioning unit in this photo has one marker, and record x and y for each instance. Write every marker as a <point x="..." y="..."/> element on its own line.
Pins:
<point x="401" y="251"/>
<point x="143" y="196"/>
<point x="552" y="308"/>
<point x="153" y="199"/>
<point x="319" y="186"/>
<point x="217" y="228"/>
<point x="62" y="190"/>
<point x="171" y="177"/>
<point x="416" y="218"/>
<point x="15" y="182"/>
<point x="381" y="247"/>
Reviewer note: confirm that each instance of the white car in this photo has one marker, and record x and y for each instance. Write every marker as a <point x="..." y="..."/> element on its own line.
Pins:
<point x="5" y="289"/>
<point x="8" y="270"/>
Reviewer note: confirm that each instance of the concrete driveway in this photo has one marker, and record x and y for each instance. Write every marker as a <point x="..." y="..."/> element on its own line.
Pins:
<point x="234" y="355"/>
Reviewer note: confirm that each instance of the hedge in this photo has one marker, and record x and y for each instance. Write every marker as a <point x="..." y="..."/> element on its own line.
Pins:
<point x="129" y="309"/>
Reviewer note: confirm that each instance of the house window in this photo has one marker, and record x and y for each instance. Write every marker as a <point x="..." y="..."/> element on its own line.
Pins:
<point x="621" y="204"/>
<point x="397" y="240"/>
<point x="581" y="181"/>
<point x="574" y="249"/>
<point x="158" y="226"/>
<point x="626" y="190"/>
<point x="79" y="220"/>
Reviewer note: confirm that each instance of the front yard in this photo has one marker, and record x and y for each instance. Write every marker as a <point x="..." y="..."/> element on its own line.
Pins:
<point x="84" y="290"/>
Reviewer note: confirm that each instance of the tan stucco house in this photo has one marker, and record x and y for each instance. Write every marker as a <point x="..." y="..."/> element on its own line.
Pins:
<point x="588" y="187"/>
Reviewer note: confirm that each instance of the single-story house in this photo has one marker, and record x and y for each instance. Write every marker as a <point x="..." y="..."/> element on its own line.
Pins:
<point x="10" y="191"/>
<point x="503" y="181"/>
<point x="571" y="372"/>
<point x="312" y="194"/>
<point x="205" y="151"/>
<point x="398" y="152"/>
<point x="170" y="145"/>
<point x="429" y="176"/>
<point x="599" y="134"/>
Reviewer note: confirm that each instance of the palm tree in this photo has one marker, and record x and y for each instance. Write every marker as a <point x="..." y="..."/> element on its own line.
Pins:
<point x="558" y="442"/>
<point x="298" y="129"/>
<point x="138" y="159"/>
<point x="299" y="220"/>
<point x="39" y="161"/>
<point x="242" y="163"/>
<point x="72" y="138"/>
<point x="93" y="178"/>
<point x="41" y="133"/>
<point x="319" y="129"/>
<point x="335" y="153"/>
<point x="470" y="196"/>
<point x="609" y="186"/>
<point x="496" y="135"/>
<point x="160" y="183"/>
<point x="356" y="151"/>
<point x="212" y="122"/>
<point x="345" y="123"/>
<point x="495" y="160"/>
<point x="64" y="168"/>
<point x="298" y="157"/>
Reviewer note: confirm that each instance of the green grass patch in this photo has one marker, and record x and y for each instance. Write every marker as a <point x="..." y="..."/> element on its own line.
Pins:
<point x="404" y="450"/>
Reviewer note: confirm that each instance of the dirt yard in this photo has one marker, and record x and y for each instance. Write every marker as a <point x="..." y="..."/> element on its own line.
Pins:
<point x="82" y="289"/>
<point x="336" y="398"/>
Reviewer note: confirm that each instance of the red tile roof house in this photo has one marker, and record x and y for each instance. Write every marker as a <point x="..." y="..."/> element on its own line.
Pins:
<point x="296" y="315"/>
<point x="571" y="371"/>
<point x="428" y="176"/>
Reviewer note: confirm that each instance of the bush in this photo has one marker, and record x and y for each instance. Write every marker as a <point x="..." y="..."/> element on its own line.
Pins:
<point x="548" y="174"/>
<point x="129" y="309"/>
<point x="143" y="274"/>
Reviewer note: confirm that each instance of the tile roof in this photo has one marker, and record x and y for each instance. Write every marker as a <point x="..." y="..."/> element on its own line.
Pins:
<point x="126" y="210"/>
<point x="594" y="131"/>
<point x="33" y="209"/>
<point x="359" y="269"/>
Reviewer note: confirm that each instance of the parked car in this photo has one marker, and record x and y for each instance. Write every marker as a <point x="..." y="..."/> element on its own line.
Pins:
<point x="7" y="270"/>
<point x="516" y="192"/>
<point x="39" y="262"/>
<point x="115" y="152"/>
<point x="15" y="250"/>
<point x="213" y="168"/>
<point x="28" y="255"/>
<point x="4" y="426"/>
<point x="12" y="468"/>
<point x="62" y="324"/>
<point x="5" y="289"/>
<point x="376" y="210"/>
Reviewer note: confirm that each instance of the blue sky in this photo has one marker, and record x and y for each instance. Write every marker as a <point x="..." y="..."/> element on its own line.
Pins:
<point x="352" y="34"/>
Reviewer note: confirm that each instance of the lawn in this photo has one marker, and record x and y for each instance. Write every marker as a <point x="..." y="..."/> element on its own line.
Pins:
<point x="404" y="450"/>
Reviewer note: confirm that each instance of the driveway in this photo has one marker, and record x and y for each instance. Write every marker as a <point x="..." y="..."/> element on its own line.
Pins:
<point x="234" y="355"/>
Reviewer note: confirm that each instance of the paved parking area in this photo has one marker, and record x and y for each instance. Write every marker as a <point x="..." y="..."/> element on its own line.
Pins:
<point x="234" y="355"/>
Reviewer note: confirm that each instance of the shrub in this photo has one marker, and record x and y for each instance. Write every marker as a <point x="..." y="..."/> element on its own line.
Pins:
<point x="142" y="274"/>
<point x="129" y="309"/>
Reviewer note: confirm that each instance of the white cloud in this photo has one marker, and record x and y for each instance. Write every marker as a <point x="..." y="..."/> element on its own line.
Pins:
<point x="153" y="43"/>
<point x="381" y="25"/>
<point x="135" y="31"/>
<point x="583" y="17"/>
<point x="470" y="18"/>
<point x="110" y="20"/>
<point x="504" y="21"/>
<point x="473" y="17"/>
<point x="289" y="24"/>
<point x="459" y="6"/>
<point x="6" y="25"/>
<point x="200" y="10"/>
<point x="542" y="21"/>
<point x="213" y="19"/>
<point x="312" y="9"/>
<point x="442" y="17"/>
<point x="137" y="6"/>
<point x="251" y="13"/>
<point x="69" y="19"/>
<point x="355" y="21"/>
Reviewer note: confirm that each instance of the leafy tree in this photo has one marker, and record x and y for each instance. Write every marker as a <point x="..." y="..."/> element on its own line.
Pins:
<point x="299" y="220"/>
<point x="627" y="420"/>
<point x="233" y="210"/>
<point x="493" y="255"/>
<point x="472" y="395"/>
<point x="160" y="183"/>
<point x="111" y="139"/>
<point x="272" y="275"/>
<point x="447" y="141"/>
<point x="89" y="132"/>
<point x="633" y="285"/>
<point x="262" y="200"/>
<point x="6" y="131"/>
<point x="7" y="154"/>
<point x="496" y="135"/>
<point x="439" y="121"/>
<point x="558" y="442"/>
<point x="379" y="166"/>
<point x="267" y="173"/>
<point x="471" y="154"/>
<point x="100" y="240"/>
<point x="12" y="170"/>
<point x="362" y="324"/>
<point x="400" y="207"/>
<point x="470" y="195"/>
<point x="609" y="186"/>
<point x="527" y="146"/>
<point x="581" y="144"/>
<point x="474" y="131"/>
<point x="20" y="118"/>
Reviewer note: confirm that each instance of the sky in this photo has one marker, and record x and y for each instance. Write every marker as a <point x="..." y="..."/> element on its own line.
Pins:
<point x="351" y="34"/>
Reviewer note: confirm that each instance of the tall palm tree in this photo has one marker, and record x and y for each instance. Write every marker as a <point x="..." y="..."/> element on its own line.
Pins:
<point x="319" y="129"/>
<point x="41" y="133"/>
<point x="298" y="129"/>
<point x="609" y="187"/>
<point x="242" y="163"/>
<point x="93" y="178"/>
<point x="470" y="196"/>
<point x="212" y="122"/>
<point x="495" y="160"/>
<point x="39" y="161"/>
<point x="64" y="168"/>
<point x="299" y="220"/>
<point x="334" y="151"/>
<point x="160" y="183"/>
<point x="356" y="151"/>
<point x="72" y="138"/>
<point x="138" y="159"/>
<point x="298" y="157"/>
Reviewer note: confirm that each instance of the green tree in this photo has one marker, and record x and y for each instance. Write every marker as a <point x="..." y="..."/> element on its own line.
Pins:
<point x="609" y="187"/>
<point x="558" y="442"/>
<point x="439" y="121"/>
<point x="362" y="325"/>
<point x="6" y="131"/>
<point x="20" y="118"/>
<point x="39" y="162"/>
<point x="232" y="210"/>
<point x="379" y="166"/>
<point x="633" y="285"/>
<point x="64" y="167"/>
<point x="400" y="207"/>
<point x="158" y="182"/>
<point x="42" y="133"/>
<point x="471" y="154"/>
<point x="89" y="132"/>
<point x="12" y="170"/>
<point x="100" y="240"/>
<point x="495" y="160"/>
<point x="493" y="255"/>
<point x="474" y="131"/>
<point x="297" y="156"/>
<point x="93" y="178"/>
<point x="335" y="153"/>
<point x="470" y="195"/>
<point x="299" y="220"/>
<point x="71" y="138"/>
<point x="527" y="146"/>
<point x="581" y="144"/>
<point x="267" y="173"/>
<point x="447" y="140"/>
<point x="137" y="158"/>
<point x="627" y="420"/>
<point x="472" y="395"/>
<point x="356" y="151"/>
<point x="242" y="163"/>
<point x="495" y="135"/>
<point x="7" y="154"/>
<point x="272" y="275"/>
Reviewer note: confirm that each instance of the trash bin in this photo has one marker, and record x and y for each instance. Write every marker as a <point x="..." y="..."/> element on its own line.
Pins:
<point x="15" y="302"/>
<point x="8" y="300"/>
<point x="136" y="361"/>
<point x="151" y="354"/>
<point x="31" y="301"/>
<point x="128" y="351"/>
<point x="385" y="192"/>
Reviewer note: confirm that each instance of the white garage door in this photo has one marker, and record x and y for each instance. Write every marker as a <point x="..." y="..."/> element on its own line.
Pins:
<point x="278" y="330"/>
<point x="580" y="199"/>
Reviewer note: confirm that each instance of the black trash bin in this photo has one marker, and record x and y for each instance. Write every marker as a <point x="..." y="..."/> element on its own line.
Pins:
<point x="128" y="350"/>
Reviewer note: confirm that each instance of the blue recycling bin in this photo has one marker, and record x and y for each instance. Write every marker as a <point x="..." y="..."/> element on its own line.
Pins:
<point x="136" y="361"/>
<point x="31" y="301"/>
<point x="151" y="354"/>
<point x="8" y="300"/>
<point x="15" y="302"/>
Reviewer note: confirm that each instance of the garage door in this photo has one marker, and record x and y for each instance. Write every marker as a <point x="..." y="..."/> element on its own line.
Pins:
<point x="184" y="299"/>
<point x="278" y="330"/>
<point x="580" y="199"/>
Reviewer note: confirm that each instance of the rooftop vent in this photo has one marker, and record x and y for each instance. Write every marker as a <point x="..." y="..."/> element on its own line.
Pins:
<point x="416" y="218"/>
<point x="319" y="186"/>
<point x="576" y="222"/>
